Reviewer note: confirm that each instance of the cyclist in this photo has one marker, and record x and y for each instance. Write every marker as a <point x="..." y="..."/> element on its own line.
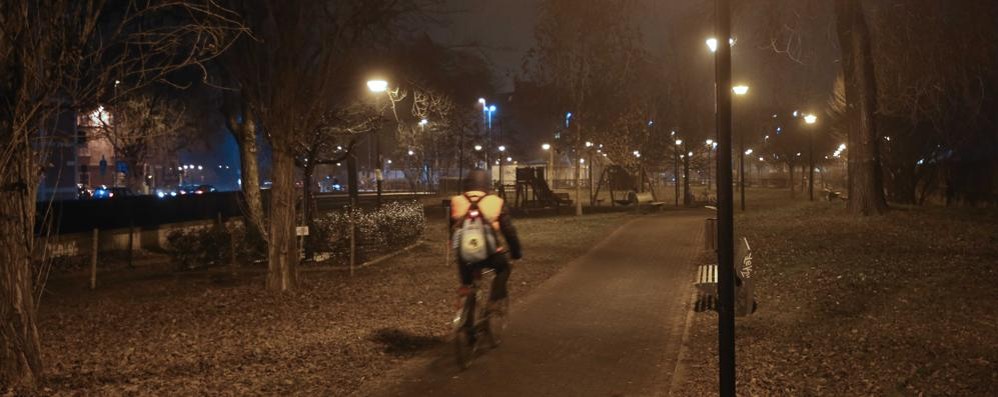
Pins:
<point x="493" y="209"/>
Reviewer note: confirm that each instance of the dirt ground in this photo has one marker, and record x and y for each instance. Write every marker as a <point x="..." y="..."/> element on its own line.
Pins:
<point x="898" y="305"/>
<point x="151" y="331"/>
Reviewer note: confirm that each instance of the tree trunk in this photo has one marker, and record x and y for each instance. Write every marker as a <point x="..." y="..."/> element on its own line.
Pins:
<point x="308" y="203"/>
<point x="792" y="181"/>
<point x="283" y="251"/>
<point x="20" y="350"/>
<point x="352" y="188"/>
<point x="245" y="134"/>
<point x="866" y="193"/>
<point x="578" y="181"/>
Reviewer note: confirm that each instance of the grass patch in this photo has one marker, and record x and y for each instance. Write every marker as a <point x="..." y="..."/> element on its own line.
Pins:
<point x="901" y="304"/>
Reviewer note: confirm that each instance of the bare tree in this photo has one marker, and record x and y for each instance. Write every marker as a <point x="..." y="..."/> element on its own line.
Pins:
<point x="587" y="55"/>
<point x="289" y="73"/>
<point x="64" y="56"/>
<point x="140" y="128"/>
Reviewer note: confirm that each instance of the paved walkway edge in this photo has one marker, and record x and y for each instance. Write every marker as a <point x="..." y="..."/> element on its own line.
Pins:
<point x="680" y="371"/>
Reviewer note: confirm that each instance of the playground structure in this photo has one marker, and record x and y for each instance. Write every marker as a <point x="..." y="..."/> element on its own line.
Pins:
<point x="533" y="190"/>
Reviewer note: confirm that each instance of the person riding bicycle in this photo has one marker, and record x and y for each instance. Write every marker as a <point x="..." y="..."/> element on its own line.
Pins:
<point x="477" y="194"/>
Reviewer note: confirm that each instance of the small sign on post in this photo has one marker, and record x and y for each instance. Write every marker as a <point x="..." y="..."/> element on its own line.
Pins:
<point x="301" y="231"/>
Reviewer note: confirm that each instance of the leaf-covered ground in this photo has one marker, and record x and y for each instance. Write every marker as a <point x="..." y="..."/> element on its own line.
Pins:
<point x="904" y="304"/>
<point x="154" y="332"/>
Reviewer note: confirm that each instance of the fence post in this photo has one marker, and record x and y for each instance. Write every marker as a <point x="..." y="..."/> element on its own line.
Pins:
<point x="93" y="261"/>
<point x="353" y="243"/>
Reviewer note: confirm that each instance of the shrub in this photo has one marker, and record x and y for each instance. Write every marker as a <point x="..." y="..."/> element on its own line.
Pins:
<point x="379" y="231"/>
<point x="212" y="246"/>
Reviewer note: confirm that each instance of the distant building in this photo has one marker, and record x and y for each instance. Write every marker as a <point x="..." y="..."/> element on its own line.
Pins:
<point x="79" y="157"/>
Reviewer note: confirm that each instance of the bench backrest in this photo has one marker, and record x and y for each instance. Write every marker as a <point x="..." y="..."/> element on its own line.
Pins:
<point x="644" y="198"/>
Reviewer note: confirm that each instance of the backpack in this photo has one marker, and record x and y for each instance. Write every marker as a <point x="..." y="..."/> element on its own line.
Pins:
<point x="475" y="241"/>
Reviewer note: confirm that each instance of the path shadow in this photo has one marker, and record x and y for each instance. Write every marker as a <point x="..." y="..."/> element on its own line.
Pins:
<point x="401" y="343"/>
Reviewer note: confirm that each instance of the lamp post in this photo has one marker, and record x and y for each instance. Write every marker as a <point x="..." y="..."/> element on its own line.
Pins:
<point x="675" y="169"/>
<point x="725" y="204"/>
<point x="502" y="188"/>
<point x="550" y="169"/>
<point x="810" y="120"/>
<point x="710" y="148"/>
<point x="741" y="91"/>
<point x="377" y="87"/>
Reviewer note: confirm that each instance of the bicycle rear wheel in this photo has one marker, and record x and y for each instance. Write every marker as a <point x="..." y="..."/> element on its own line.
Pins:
<point x="464" y="348"/>
<point x="497" y="322"/>
<point x="464" y="342"/>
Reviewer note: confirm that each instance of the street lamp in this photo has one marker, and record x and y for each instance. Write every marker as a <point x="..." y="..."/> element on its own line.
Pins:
<point x="810" y="119"/>
<point x="741" y="90"/>
<point x="568" y="117"/>
<point x="675" y="168"/>
<point x="378" y="86"/>
<point x="478" y="148"/>
<point x="550" y="169"/>
<point x="712" y="43"/>
<point x="710" y="148"/>
<point x="502" y="148"/>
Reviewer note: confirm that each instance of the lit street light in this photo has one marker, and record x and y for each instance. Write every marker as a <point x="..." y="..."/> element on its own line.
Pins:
<point x="712" y="43"/>
<point x="675" y="167"/>
<point x="478" y="148"/>
<point x="550" y="169"/>
<point x="741" y="90"/>
<point x="710" y="148"/>
<point x="810" y="119"/>
<point x="377" y="86"/>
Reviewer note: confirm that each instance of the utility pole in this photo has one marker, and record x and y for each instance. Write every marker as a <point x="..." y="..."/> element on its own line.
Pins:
<point x="725" y="205"/>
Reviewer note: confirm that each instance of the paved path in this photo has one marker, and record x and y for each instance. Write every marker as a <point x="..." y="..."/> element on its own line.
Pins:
<point x="609" y="324"/>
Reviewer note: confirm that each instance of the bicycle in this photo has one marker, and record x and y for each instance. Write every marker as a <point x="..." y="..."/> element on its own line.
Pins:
<point x="474" y="322"/>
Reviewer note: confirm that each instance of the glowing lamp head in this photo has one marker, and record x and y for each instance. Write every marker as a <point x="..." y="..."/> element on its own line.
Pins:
<point x="679" y="142"/>
<point x="546" y="146"/>
<point x="377" y="85"/>
<point x="502" y="148"/>
<point x="492" y="108"/>
<point x="740" y="89"/>
<point x="478" y="148"/>
<point x="810" y="119"/>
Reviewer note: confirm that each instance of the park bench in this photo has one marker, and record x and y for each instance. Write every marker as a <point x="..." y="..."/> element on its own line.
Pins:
<point x="644" y="200"/>
<point x="831" y="195"/>
<point x="563" y="199"/>
<point x="706" y="283"/>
